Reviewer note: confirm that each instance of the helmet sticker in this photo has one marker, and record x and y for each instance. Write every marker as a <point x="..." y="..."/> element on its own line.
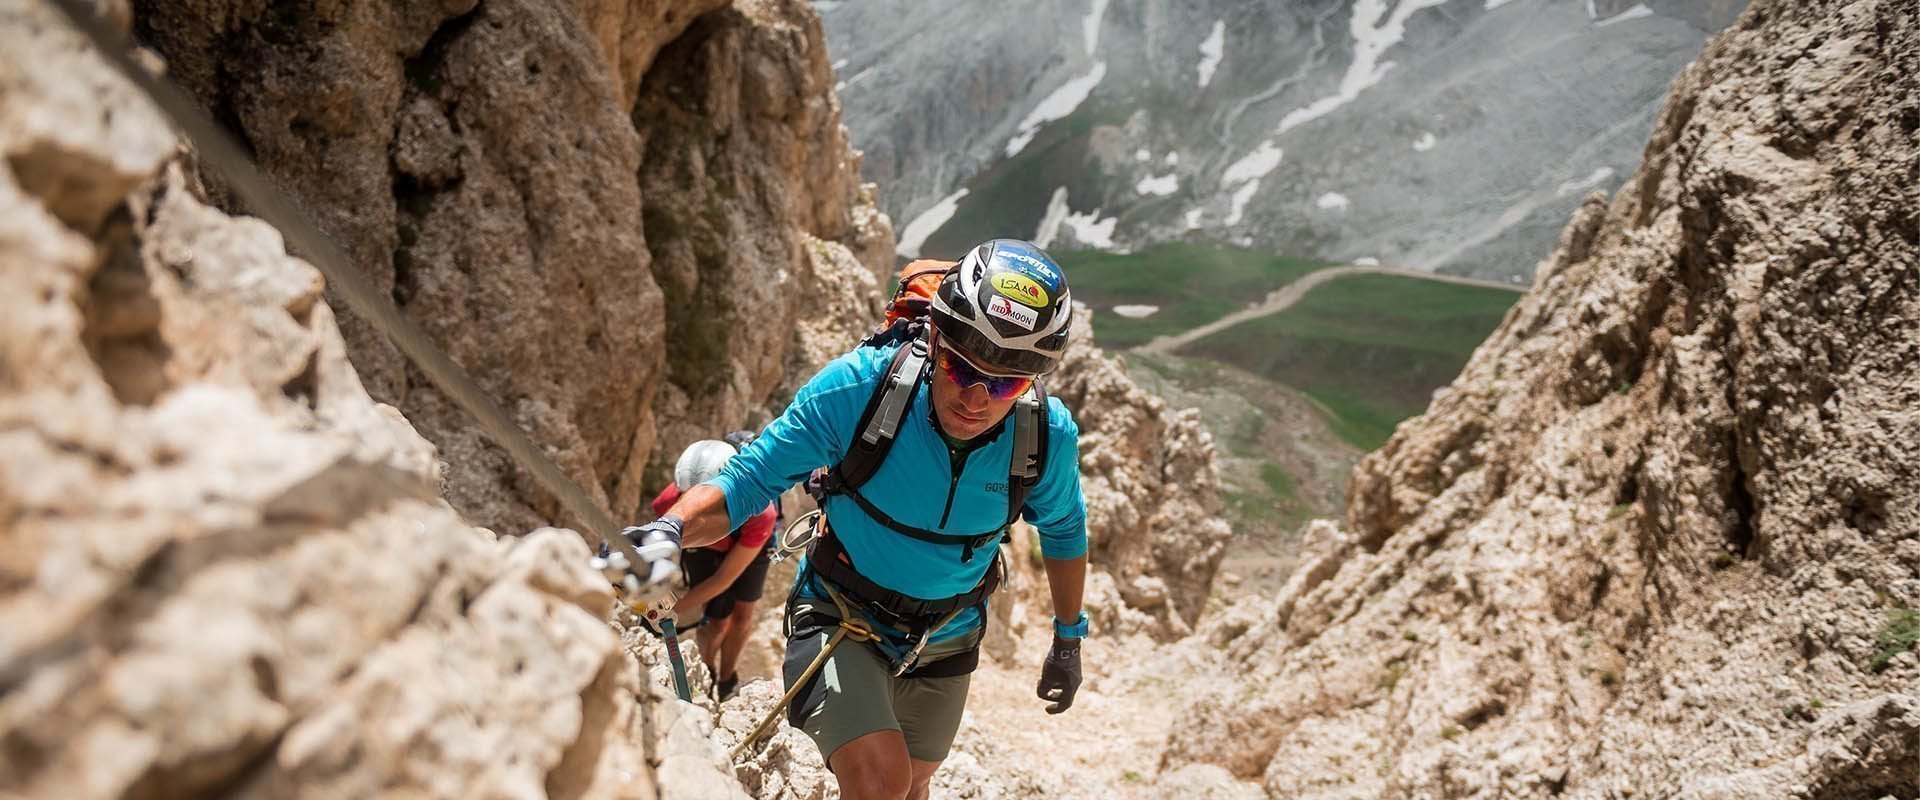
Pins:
<point x="1047" y="273"/>
<point x="1005" y="309"/>
<point x="1021" y="288"/>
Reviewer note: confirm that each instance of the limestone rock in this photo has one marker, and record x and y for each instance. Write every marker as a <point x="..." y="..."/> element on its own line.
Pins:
<point x="226" y="569"/>
<point x="1654" y="538"/>
<point x="605" y="212"/>
<point x="1152" y="489"/>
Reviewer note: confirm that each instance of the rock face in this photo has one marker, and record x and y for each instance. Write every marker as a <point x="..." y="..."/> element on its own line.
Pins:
<point x="227" y="570"/>
<point x="1661" y="536"/>
<point x="537" y="185"/>
<point x="1438" y="134"/>
<point x="1153" y="495"/>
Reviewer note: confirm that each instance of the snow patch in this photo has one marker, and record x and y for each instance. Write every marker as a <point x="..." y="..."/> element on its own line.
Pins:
<point x="1056" y="106"/>
<point x="1425" y="142"/>
<point x="1158" y="185"/>
<point x="1090" y="26"/>
<point x="1211" y="50"/>
<point x="839" y="65"/>
<point x="1635" y="12"/>
<point x="1136" y="312"/>
<point x="1369" y="261"/>
<point x="1192" y="217"/>
<point x="1241" y="197"/>
<point x="1493" y="4"/>
<point x="1597" y="177"/>
<point x="1089" y="229"/>
<point x="1050" y="221"/>
<point x="1173" y="159"/>
<point x="923" y="226"/>
<point x="1142" y="154"/>
<point x="1333" y="201"/>
<point x="1374" y="30"/>
<point x="1254" y="165"/>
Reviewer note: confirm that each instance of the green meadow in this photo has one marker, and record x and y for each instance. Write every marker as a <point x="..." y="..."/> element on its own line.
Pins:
<point x="1369" y="349"/>
<point x="1191" y="284"/>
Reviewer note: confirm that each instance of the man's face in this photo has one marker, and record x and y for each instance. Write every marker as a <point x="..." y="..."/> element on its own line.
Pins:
<point x="968" y="411"/>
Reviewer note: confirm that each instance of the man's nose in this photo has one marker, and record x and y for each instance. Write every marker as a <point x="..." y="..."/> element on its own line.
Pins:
<point x="975" y="397"/>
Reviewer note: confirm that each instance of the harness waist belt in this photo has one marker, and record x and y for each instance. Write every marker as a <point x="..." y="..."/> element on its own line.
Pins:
<point x="830" y="559"/>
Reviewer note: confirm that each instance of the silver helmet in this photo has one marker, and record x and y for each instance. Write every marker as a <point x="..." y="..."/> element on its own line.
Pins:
<point x="1006" y="304"/>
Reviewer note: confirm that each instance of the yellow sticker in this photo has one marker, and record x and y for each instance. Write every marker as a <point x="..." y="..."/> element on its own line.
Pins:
<point x="1021" y="288"/>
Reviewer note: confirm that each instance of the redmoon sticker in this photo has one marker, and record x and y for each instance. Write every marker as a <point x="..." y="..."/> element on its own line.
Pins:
<point x="1019" y="315"/>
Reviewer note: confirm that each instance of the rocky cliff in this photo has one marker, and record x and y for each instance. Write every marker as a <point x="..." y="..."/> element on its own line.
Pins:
<point x="227" y="571"/>
<point x="1660" y="537"/>
<point x="600" y="210"/>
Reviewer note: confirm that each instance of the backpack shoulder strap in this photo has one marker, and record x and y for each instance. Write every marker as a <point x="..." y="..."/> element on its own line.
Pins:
<point x="1028" y="461"/>
<point x="879" y="423"/>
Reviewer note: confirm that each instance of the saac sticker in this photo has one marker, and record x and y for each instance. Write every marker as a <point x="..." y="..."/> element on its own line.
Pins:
<point x="1019" y="315"/>
<point x="1021" y="288"/>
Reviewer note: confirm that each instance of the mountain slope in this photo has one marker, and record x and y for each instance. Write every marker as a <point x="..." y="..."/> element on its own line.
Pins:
<point x="1447" y="135"/>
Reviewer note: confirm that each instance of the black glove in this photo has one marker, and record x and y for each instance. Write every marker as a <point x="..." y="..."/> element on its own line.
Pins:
<point x="1060" y="676"/>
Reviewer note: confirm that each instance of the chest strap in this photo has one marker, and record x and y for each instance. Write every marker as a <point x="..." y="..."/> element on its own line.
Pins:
<point x="969" y="542"/>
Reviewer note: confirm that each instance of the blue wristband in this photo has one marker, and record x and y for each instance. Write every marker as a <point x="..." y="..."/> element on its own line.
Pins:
<point x="1078" y="630"/>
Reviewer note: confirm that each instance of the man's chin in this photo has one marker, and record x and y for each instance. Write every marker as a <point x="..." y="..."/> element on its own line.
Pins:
<point x="962" y="427"/>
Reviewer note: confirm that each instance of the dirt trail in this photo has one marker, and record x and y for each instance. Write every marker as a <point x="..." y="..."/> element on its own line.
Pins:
<point x="1284" y="297"/>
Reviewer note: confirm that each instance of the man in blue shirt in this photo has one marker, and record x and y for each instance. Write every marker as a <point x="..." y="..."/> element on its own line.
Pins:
<point x="909" y="546"/>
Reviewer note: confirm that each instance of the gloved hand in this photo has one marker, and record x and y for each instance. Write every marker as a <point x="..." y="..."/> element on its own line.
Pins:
<point x="1060" y="676"/>
<point x="657" y="543"/>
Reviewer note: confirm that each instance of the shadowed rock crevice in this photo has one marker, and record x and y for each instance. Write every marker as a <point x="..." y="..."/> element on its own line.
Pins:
<point x="123" y="324"/>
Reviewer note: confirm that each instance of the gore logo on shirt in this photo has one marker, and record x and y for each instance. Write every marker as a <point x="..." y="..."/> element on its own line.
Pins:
<point x="1005" y="309"/>
<point x="997" y="487"/>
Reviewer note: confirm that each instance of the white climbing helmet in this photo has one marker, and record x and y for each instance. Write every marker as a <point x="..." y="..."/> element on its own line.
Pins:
<point x="700" y="462"/>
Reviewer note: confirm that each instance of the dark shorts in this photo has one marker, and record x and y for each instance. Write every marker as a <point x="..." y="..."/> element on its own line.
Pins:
<point x="855" y="693"/>
<point x="701" y="564"/>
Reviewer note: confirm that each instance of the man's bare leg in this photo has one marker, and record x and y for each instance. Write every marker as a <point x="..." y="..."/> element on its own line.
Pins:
<point x="738" y="628"/>
<point x="875" y="766"/>
<point x="922" y="772"/>
<point x="708" y="638"/>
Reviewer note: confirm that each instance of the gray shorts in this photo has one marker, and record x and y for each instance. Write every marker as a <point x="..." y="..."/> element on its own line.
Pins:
<point x="855" y="693"/>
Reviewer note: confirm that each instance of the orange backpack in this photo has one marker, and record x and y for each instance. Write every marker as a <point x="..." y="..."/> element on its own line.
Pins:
<point x="913" y="298"/>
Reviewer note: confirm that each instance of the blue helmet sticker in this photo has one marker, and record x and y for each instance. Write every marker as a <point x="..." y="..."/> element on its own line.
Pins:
<point x="1030" y="261"/>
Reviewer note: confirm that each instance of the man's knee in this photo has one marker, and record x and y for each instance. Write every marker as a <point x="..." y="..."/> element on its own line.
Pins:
<point x="873" y="767"/>
<point x="741" y="620"/>
<point x="878" y="783"/>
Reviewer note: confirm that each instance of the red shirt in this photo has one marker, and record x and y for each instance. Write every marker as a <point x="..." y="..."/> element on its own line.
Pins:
<point x="755" y="532"/>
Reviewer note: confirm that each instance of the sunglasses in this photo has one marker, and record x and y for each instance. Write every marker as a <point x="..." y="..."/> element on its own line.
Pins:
<point x="965" y="373"/>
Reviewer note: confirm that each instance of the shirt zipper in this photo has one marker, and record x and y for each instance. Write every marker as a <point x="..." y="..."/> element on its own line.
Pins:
<point x="956" y="462"/>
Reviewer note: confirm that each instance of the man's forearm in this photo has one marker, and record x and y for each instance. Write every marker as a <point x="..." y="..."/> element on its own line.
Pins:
<point x="1067" y="580"/>
<point x="703" y="511"/>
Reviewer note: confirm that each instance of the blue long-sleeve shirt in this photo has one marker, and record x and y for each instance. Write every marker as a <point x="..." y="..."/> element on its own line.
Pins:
<point x="916" y="484"/>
